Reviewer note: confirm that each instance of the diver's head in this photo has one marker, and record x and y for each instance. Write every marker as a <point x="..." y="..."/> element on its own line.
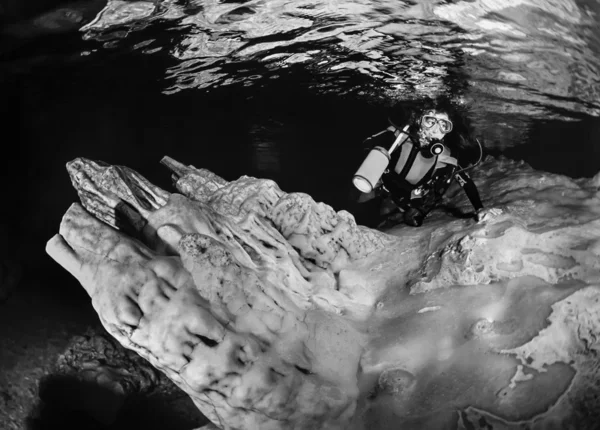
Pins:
<point x="433" y="126"/>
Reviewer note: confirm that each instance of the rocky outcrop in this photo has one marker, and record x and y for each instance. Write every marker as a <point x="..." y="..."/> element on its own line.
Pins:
<point x="96" y="382"/>
<point x="241" y="308"/>
<point x="273" y="311"/>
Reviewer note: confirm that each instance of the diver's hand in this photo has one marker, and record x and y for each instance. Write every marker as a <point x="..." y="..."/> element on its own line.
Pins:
<point x="487" y="214"/>
<point x="414" y="217"/>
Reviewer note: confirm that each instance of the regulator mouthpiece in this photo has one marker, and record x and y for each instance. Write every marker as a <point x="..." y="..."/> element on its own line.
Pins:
<point x="432" y="150"/>
<point x="436" y="148"/>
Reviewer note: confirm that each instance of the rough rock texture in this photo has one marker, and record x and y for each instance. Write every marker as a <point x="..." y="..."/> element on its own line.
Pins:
<point x="98" y="378"/>
<point x="273" y="311"/>
<point x="225" y="306"/>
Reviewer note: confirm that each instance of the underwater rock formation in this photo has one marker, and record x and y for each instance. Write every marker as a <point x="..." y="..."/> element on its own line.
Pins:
<point x="97" y="383"/>
<point x="273" y="311"/>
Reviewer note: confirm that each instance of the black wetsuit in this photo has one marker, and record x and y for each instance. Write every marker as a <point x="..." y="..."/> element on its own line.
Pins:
<point x="418" y="183"/>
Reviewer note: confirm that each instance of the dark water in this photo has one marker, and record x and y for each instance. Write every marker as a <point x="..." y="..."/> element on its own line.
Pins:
<point x="280" y="89"/>
<point x="283" y="90"/>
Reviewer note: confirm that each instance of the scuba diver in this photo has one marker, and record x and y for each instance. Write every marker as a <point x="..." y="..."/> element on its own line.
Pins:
<point x="414" y="165"/>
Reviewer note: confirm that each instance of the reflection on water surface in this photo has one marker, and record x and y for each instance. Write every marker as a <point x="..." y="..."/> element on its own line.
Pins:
<point x="288" y="90"/>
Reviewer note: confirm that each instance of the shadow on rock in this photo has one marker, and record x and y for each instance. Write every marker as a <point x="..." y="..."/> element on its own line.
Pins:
<point x="67" y="402"/>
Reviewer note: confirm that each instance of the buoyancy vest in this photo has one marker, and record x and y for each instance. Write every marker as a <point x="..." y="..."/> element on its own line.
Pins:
<point x="415" y="168"/>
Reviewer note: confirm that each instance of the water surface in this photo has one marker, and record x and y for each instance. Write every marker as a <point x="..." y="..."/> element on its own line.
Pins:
<point x="286" y="90"/>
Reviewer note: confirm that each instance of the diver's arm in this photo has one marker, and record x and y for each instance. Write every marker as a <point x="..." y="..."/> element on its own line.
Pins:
<point x="467" y="184"/>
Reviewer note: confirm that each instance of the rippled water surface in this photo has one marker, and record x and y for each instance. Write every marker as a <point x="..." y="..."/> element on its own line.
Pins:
<point x="289" y="89"/>
<point x="537" y="59"/>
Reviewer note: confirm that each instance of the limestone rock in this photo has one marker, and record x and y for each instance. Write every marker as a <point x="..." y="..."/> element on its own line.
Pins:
<point x="97" y="358"/>
<point x="273" y="311"/>
<point x="97" y="378"/>
<point x="228" y="309"/>
<point x="321" y="235"/>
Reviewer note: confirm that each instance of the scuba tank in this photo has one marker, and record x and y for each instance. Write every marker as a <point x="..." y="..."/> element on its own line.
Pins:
<point x="370" y="171"/>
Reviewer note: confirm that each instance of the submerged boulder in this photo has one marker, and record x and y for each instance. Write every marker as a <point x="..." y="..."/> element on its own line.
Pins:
<point x="273" y="311"/>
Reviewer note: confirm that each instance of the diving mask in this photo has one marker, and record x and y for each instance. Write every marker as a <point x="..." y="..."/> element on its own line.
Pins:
<point x="429" y="121"/>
